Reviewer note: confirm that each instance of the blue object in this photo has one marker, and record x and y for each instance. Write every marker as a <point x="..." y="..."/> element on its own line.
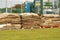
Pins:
<point x="28" y="4"/>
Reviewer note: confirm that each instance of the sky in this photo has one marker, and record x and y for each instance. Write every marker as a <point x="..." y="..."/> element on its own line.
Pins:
<point x="11" y="3"/>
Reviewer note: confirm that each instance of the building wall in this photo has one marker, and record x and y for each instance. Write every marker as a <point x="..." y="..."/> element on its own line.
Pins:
<point x="55" y="6"/>
<point x="38" y="6"/>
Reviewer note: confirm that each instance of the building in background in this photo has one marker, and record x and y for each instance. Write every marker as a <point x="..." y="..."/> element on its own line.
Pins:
<point x="51" y="7"/>
<point x="56" y="6"/>
<point x="48" y="7"/>
<point x="38" y="6"/>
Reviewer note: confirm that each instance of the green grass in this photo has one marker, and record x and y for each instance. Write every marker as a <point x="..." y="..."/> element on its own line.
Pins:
<point x="36" y="34"/>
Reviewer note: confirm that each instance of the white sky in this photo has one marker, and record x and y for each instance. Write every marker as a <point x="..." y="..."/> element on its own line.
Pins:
<point x="11" y="2"/>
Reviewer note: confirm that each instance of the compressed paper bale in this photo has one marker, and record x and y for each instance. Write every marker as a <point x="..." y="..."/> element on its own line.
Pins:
<point x="17" y="26"/>
<point x="30" y="21"/>
<point x="46" y="26"/>
<point x="4" y="15"/>
<point x="2" y="25"/>
<point x="12" y="26"/>
<point x="51" y="24"/>
<point x="59" y="26"/>
<point x="26" y="27"/>
<point x="36" y="25"/>
<point x="10" y="18"/>
<point x="29" y="26"/>
<point x="3" y="21"/>
<point x="28" y="14"/>
<point x="54" y="22"/>
<point x="14" y="20"/>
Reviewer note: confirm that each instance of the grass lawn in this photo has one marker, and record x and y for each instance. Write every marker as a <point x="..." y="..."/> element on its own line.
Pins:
<point x="36" y="34"/>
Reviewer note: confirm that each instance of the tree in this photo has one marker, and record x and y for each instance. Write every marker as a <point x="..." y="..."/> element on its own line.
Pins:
<point x="18" y="8"/>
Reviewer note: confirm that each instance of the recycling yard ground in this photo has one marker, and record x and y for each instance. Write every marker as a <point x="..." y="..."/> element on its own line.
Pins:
<point x="31" y="34"/>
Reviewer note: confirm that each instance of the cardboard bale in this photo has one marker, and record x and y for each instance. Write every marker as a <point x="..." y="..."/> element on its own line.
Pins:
<point x="10" y="19"/>
<point x="13" y="20"/>
<point x="31" y="21"/>
<point x="12" y="26"/>
<point x="53" y="22"/>
<point x="3" y="21"/>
